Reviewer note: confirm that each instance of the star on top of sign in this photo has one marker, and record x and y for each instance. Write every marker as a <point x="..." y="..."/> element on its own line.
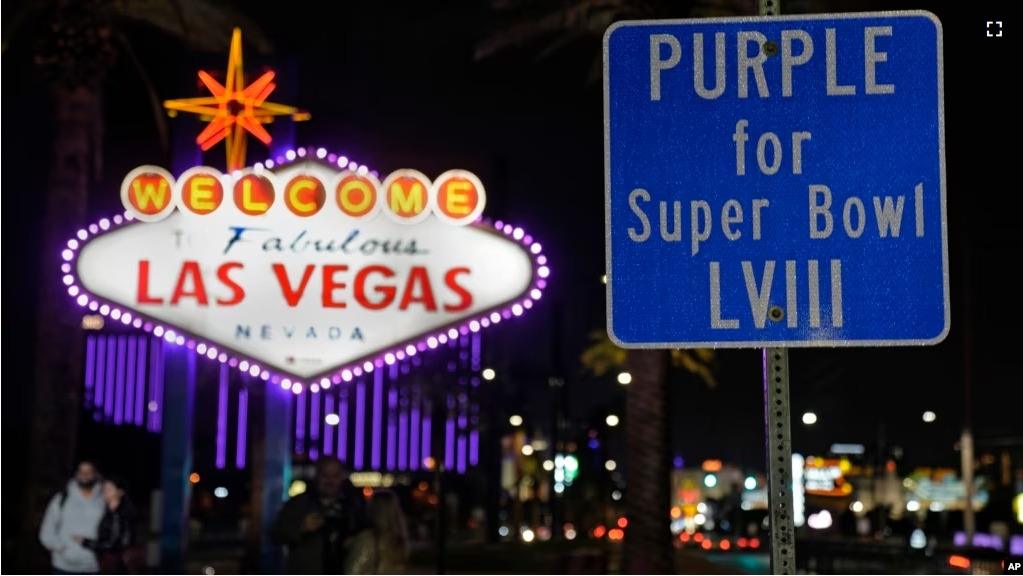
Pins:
<point x="234" y="110"/>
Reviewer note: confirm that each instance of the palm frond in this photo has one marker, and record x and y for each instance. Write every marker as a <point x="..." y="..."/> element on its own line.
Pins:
<point x="582" y="18"/>
<point x="723" y="8"/>
<point x="23" y="13"/>
<point x="203" y="25"/>
<point x="602" y="356"/>
<point x="155" y="102"/>
<point x="696" y="363"/>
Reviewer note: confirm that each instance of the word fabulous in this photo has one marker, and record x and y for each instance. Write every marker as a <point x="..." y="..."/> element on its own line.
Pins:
<point x="456" y="197"/>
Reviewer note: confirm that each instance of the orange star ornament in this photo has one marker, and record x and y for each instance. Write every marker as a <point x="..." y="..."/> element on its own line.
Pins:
<point x="233" y="111"/>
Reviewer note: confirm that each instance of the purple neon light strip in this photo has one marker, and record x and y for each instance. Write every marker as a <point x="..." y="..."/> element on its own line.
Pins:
<point x="129" y="385"/>
<point x="427" y="433"/>
<point x="342" y="431"/>
<point x="101" y="374"/>
<point x="243" y="422"/>
<point x="378" y="407"/>
<point x="90" y="369"/>
<point x="225" y="380"/>
<point x="314" y="418"/>
<point x="160" y="364"/>
<point x="154" y="398"/>
<point x="300" y="427"/>
<point x="119" y="378"/>
<point x="449" y="443"/>
<point x="476" y="337"/>
<point x="108" y="402"/>
<point x="474" y="447"/>
<point x="360" y="424"/>
<point x="403" y="440"/>
<point x="461" y="454"/>
<point x="140" y="381"/>
<point x="392" y="406"/>
<point x="414" y="433"/>
<point x="328" y="436"/>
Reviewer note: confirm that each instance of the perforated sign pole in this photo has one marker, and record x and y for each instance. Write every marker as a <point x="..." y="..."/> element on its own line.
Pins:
<point x="778" y="434"/>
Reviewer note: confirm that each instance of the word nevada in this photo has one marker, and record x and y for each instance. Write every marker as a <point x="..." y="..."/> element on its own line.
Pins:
<point x="406" y="196"/>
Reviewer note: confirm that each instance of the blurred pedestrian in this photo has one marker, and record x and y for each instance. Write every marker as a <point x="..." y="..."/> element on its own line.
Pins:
<point x="115" y="539"/>
<point x="74" y="511"/>
<point x="383" y="548"/>
<point x="318" y="526"/>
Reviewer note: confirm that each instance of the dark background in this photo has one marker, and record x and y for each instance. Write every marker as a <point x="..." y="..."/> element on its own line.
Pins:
<point x="394" y="85"/>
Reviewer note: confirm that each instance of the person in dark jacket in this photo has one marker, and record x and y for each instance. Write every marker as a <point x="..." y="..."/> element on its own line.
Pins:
<point x="317" y="527"/>
<point x="116" y="535"/>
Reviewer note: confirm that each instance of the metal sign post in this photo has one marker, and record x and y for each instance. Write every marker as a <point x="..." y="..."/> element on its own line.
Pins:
<point x="778" y="432"/>
<point x="775" y="182"/>
<point x="779" y="460"/>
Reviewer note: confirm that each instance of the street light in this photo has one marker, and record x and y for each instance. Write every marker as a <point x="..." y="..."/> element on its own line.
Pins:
<point x="527" y="450"/>
<point x="488" y="374"/>
<point x="611" y="420"/>
<point x="332" y="419"/>
<point x="930" y="416"/>
<point x="809" y="418"/>
<point x="624" y="378"/>
<point x="515" y="420"/>
<point x="610" y="465"/>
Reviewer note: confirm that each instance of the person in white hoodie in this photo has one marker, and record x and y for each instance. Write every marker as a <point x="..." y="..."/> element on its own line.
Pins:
<point x="74" y="511"/>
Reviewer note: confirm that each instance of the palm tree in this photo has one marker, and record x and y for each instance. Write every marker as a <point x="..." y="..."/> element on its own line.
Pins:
<point x="648" y="546"/>
<point x="546" y="27"/>
<point x="78" y="42"/>
<point x="553" y="25"/>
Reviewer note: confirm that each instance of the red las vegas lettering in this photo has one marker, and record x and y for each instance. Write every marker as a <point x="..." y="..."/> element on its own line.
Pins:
<point x="190" y="285"/>
<point x="337" y="286"/>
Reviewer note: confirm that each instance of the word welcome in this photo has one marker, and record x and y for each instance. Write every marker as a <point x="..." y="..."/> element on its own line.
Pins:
<point x="456" y="197"/>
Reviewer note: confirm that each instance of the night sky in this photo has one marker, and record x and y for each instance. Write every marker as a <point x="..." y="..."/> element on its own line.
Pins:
<point x="395" y="86"/>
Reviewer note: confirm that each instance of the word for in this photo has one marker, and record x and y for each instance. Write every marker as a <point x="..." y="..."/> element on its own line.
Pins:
<point x="407" y="196"/>
<point x="770" y="169"/>
<point x="374" y="287"/>
<point x="759" y="294"/>
<point x="752" y="62"/>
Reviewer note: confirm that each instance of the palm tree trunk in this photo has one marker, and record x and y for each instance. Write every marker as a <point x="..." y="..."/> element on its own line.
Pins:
<point x="648" y="546"/>
<point x="58" y="340"/>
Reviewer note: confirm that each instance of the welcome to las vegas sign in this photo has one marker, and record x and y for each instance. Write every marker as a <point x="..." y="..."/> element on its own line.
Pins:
<point x="303" y="271"/>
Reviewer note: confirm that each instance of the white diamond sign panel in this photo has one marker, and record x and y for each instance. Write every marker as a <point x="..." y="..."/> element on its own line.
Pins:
<point x="305" y="271"/>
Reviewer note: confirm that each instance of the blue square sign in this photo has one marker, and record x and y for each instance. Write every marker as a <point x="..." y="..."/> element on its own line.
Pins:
<point x="776" y="182"/>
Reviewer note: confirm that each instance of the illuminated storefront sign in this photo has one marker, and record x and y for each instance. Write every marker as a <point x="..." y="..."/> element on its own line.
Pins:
<point x="826" y="477"/>
<point x="948" y="492"/>
<point x="302" y="272"/>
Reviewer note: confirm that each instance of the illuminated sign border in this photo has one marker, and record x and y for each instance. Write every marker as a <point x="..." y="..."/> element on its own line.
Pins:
<point x="346" y="372"/>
